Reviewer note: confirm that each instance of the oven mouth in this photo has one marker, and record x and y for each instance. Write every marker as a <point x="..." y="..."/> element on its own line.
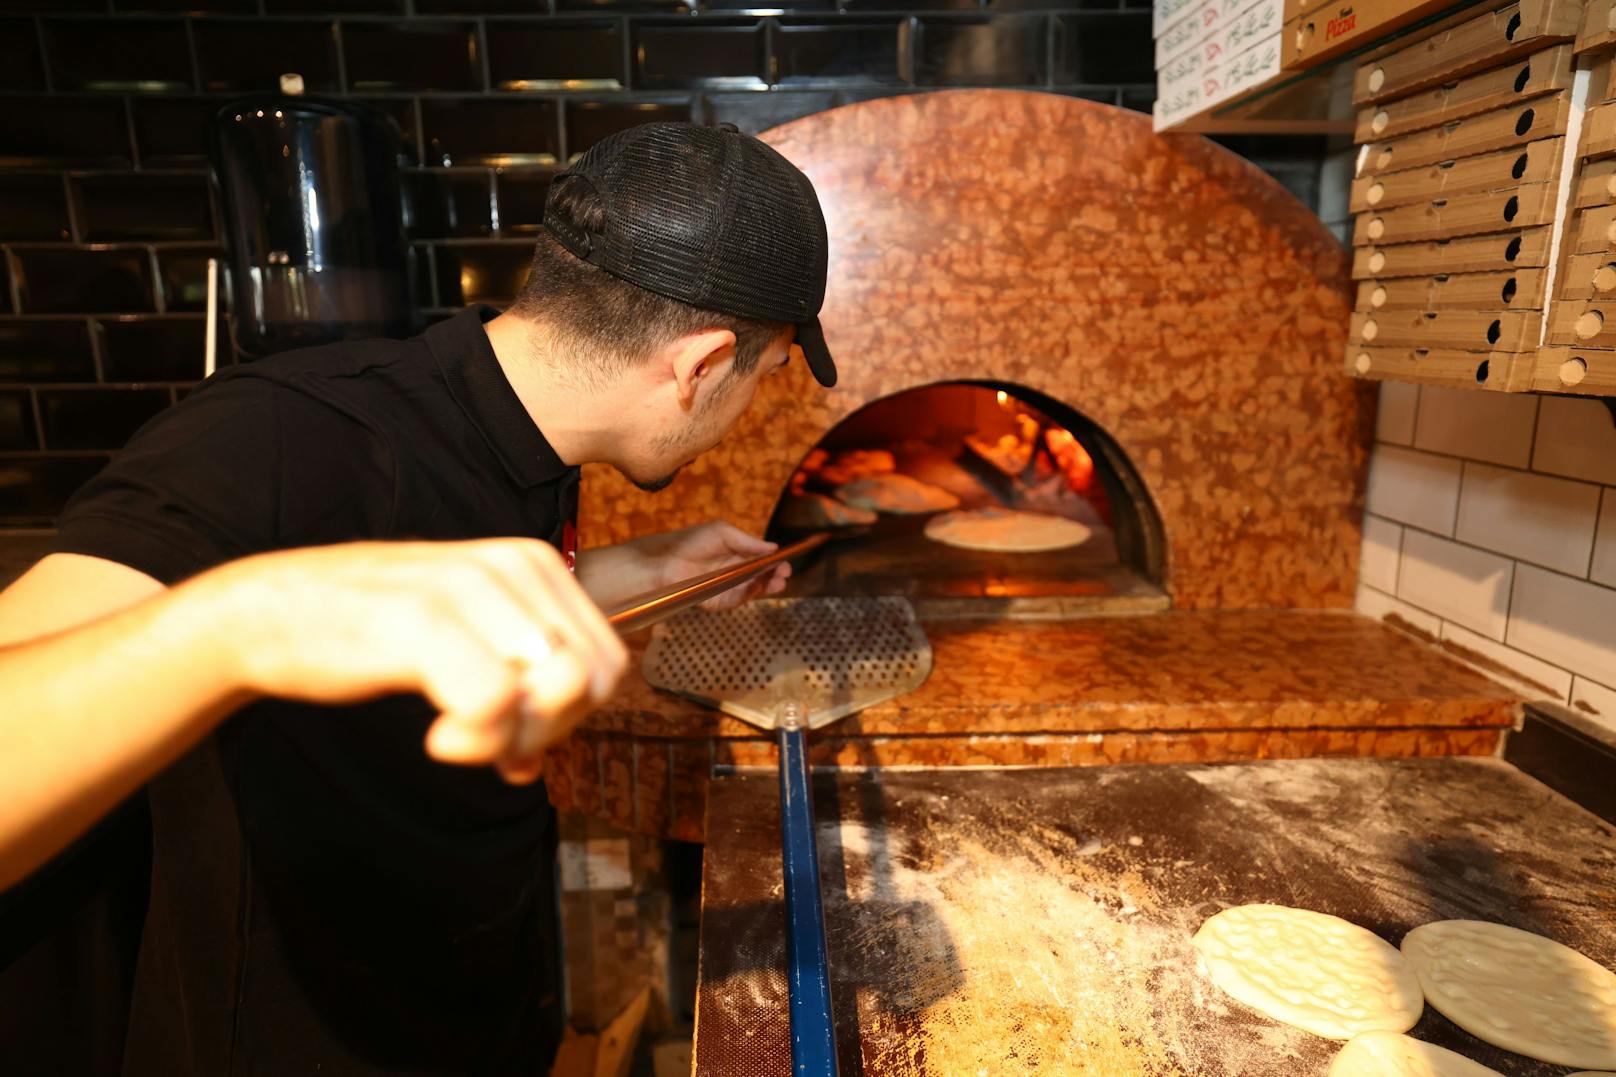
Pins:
<point x="988" y="445"/>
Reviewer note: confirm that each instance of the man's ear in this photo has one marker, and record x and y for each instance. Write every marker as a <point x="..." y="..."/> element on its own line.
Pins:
<point x="698" y="358"/>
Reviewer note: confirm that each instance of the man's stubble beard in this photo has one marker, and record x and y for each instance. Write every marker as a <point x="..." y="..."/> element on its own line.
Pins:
<point x="669" y="443"/>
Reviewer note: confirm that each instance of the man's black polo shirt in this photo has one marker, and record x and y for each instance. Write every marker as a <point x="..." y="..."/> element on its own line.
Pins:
<point x="324" y="897"/>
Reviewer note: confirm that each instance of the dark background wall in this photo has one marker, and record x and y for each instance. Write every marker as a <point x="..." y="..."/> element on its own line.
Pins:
<point x="106" y="213"/>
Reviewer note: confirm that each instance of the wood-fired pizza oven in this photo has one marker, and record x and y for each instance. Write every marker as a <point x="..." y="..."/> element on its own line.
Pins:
<point x="1179" y="313"/>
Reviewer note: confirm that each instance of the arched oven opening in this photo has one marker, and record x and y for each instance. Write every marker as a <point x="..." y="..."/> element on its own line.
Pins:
<point x="932" y="489"/>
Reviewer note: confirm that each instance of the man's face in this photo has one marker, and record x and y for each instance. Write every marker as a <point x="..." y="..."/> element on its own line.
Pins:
<point x="681" y="434"/>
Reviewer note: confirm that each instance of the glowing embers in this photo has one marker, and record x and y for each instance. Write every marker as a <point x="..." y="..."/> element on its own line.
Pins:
<point x="945" y="447"/>
<point x="1012" y="457"/>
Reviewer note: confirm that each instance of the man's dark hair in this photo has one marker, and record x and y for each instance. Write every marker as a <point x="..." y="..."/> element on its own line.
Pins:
<point x="612" y="322"/>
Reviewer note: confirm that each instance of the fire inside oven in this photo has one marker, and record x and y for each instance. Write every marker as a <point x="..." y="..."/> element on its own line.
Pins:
<point x="1005" y="466"/>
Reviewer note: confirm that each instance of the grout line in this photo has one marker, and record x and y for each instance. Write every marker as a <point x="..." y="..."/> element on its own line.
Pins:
<point x="429" y="252"/>
<point x="1593" y="548"/>
<point x="14" y="285"/>
<point x="1518" y="469"/>
<point x="73" y="228"/>
<point x="45" y="66"/>
<point x="196" y="63"/>
<point x="1531" y="446"/>
<point x="341" y="45"/>
<point x="1515" y="562"/>
<point x="1397" y="575"/>
<point x="98" y="361"/>
<point x="157" y="281"/>
<point x="483" y="59"/>
<point x="625" y="31"/>
<point x="39" y="418"/>
<point x="420" y="129"/>
<point x="129" y="131"/>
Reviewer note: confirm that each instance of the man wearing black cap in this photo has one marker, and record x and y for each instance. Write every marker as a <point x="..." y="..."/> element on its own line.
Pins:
<point x="324" y="896"/>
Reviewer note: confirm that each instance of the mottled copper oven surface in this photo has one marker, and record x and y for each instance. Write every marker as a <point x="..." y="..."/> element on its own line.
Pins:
<point x="1162" y="286"/>
<point x="1039" y="921"/>
<point x="1180" y="686"/>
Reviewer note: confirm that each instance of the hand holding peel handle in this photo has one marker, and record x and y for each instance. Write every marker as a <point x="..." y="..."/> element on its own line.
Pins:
<point x="497" y="634"/>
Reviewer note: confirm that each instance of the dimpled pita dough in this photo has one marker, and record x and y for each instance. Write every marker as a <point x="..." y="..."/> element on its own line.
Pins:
<point x="1391" y="1054"/>
<point x="1307" y="969"/>
<point x="1517" y="990"/>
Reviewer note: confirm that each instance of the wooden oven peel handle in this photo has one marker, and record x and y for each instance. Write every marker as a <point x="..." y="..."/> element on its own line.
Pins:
<point x="643" y="611"/>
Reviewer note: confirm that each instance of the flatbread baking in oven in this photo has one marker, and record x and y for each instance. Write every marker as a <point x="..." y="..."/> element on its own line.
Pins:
<point x="1006" y="531"/>
<point x="895" y="494"/>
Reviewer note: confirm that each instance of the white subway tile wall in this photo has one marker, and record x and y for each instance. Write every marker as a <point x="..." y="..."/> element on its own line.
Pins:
<point x="1530" y="675"/>
<point x="1414" y="488"/>
<point x="1491" y="525"/>
<point x="1575" y="438"/>
<point x="1604" y="566"/>
<point x="1568" y="621"/>
<point x="1536" y="518"/>
<point x="1382" y="543"/>
<point x="1383" y="607"/>
<point x="1496" y="427"/>
<point x="1456" y="582"/>
<point x="1394" y="422"/>
<point x="1594" y="700"/>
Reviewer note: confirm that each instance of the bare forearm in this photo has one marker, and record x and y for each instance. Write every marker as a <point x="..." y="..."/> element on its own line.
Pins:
<point x="89" y="715"/>
<point x="611" y="575"/>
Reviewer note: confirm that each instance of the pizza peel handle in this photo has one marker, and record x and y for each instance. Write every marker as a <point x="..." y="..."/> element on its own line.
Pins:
<point x="813" y="1034"/>
<point x="791" y="665"/>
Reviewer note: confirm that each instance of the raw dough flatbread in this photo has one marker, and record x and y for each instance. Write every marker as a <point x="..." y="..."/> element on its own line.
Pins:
<point x="1307" y="969"/>
<point x="1519" y="991"/>
<point x="1006" y="531"/>
<point x="1391" y="1054"/>
<point x="896" y="494"/>
<point x="814" y="512"/>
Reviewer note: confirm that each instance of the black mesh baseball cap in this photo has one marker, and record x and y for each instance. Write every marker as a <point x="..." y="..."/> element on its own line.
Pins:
<point x="710" y="217"/>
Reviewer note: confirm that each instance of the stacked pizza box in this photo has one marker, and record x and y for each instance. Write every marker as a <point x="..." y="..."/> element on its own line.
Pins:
<point x="1212" y="51"/>
<point x="1579" y="352"/>
<point x="1462" y="147"/>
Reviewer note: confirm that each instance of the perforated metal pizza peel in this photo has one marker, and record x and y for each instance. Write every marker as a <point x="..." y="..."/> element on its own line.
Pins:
<point x="832" y="656"/>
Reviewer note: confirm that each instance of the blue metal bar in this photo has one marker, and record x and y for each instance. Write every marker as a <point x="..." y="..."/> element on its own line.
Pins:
<point x="813" y="1036"/>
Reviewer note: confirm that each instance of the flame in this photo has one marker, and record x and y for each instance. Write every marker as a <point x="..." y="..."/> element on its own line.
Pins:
<point x="1004" y="399"/>
<point x="1073" y="459"/>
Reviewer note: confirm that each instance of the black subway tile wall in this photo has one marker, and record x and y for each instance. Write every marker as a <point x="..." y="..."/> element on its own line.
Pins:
<point x="521" y="194"/>
<point x="994" y="50"/>
<point x="64" y="130"/>
<point x="242" y="55"/>
<point x="406" y="55"/>
<point x="705" y="52"/>
<point x="33" y="205"/>
<point x="20" y="66"/>
<point x="97" y="418"/>
<point x="149" y="205"/>
<point x="45" y="349"/>
<point x="108" y="217"/>
<point x="556" y="54"/>
<point x="58" y="280"/>
<point x="161" y="349"/>
<point x="119" y="54"/>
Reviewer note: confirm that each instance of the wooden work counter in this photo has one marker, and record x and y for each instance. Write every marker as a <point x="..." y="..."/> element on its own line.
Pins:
<point x="1039" y="921"/>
